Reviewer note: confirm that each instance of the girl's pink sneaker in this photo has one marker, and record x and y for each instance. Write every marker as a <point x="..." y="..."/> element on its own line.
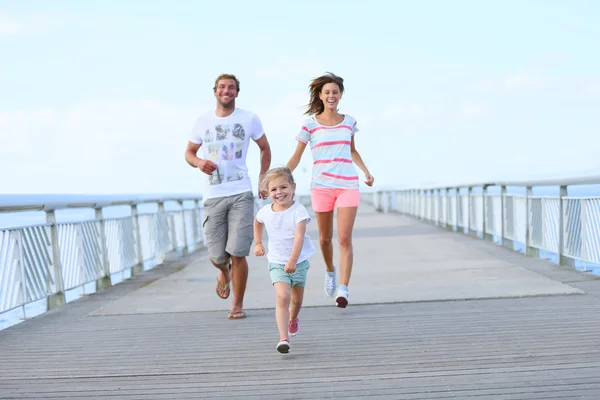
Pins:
<point x="293" y="327"/>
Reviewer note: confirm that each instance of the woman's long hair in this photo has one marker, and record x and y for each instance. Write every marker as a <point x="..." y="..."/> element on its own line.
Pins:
<point x="316" y="106"/>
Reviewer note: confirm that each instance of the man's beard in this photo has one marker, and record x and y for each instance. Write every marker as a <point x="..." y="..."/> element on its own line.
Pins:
<point x="229" y="104"/>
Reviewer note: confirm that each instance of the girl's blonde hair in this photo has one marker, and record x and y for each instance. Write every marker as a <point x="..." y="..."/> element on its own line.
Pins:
<point x="278" y="172"/>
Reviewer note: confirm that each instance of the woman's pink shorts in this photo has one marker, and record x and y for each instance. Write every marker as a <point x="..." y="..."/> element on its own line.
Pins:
<point x="325" y="199"/>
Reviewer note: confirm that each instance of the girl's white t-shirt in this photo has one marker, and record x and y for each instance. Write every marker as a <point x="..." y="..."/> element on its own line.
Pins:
<point x="281" y="226"/>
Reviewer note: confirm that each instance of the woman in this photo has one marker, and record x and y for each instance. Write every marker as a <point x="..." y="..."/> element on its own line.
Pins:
<point x="334" y="177"/>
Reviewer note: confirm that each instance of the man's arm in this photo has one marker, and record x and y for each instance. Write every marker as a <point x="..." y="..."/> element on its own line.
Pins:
<point x="191" y="157"/>
<point x="265" y="163"/>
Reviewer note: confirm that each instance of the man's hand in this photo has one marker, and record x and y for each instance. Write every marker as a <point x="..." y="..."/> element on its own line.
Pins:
<point x="206" y="166"/>
<point x="263" y="193"/>
<point x="259" y="250"/>
<point x="290" y="267"/>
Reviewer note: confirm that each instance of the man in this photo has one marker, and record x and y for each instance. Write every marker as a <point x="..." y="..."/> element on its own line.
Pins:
<point x="223" y="137"/>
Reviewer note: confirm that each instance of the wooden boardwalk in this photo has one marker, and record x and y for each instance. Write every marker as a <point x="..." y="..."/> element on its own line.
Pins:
<point x="433" y="315"/>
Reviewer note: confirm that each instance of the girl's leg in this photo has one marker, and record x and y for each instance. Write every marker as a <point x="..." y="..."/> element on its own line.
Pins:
<point x="325" y="224"/>
<point x="282" y="308"/>
<point x="345" y="224"/>
<point x="296" y="302"/>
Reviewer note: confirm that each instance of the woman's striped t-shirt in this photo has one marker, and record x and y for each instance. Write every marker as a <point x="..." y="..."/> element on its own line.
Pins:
<point x="330" y="147"/>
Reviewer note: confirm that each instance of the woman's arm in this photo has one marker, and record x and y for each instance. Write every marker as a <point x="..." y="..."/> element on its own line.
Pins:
<point x="295" y="159"/>
<point x="358" y="161"/>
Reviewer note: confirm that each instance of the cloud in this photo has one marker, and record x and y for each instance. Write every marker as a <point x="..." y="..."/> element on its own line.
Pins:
<point x="516" y="82"/>
<point x="16" y="26"/>
<point x="591" y="88"/>
<point x="471" y="111"/>
<point x="413" y="116"/>
<point x="131" y="146"/>
<point x="287" y="69"/>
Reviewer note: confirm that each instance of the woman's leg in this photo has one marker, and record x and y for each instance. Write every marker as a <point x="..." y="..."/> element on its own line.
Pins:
<point x="325" y="224"/>
<point x="323" y="203"/>
<point x="345" y="224"/>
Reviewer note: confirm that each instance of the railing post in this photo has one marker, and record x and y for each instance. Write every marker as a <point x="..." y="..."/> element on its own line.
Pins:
<point x="458" y="208"/>
<point x="584" y="233"/>
<point x="469" y="205"/>
<point x="23" y="278"/>
<point x="437" y="209"/>
<point x="562" y="260"/>
<point x="502" y="213"/>
<point x="429" y="207"/>
<point x="138" y="242"/>
<point x="104" y="282"/>
<point x="449" y="226"/>
<point x="185" y="241"/>
<point x="432" y="206"/>
<point x="530" y="251"/>
<point x="58" y="298"/>
<point x="484" y="234"/>
<point x="198" y="205"/>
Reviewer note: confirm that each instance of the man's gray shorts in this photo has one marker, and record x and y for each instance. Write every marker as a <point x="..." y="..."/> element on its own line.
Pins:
<point x="229" y="226"/>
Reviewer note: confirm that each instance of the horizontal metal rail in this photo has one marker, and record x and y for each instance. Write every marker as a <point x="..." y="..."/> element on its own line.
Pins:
<point x="564" y="228"/>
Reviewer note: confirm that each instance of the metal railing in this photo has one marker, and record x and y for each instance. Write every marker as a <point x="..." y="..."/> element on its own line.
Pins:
<point x="44" y="261"/>
<point x="562" y="228"/>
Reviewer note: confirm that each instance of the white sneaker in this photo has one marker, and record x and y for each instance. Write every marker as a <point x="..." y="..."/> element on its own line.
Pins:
<point x="342" y="297"/>
<point x="283" y="346"/>
<point x="330" y="283"/>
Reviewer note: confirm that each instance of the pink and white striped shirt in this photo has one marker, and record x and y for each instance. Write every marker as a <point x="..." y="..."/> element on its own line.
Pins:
<point x="330" y="147"/>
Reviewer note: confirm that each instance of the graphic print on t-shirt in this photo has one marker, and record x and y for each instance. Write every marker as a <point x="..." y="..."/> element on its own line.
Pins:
<point x="208" y="136"/>
<point x="225" y="148"/>
<point x="238" y="132"/>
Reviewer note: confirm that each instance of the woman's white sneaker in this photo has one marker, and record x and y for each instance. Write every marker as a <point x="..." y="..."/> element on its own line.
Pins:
<point x="342" y="297"/>
<point x="330" y="283"/>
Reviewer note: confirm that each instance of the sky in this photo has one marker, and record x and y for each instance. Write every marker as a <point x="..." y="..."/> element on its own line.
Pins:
<point x="100" y="97"/>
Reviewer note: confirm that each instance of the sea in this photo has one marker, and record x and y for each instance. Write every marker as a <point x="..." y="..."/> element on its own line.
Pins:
<point x="29" y="218"/>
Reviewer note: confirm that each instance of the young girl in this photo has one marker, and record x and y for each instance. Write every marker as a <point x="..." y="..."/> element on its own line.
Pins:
<point x="334" y="178"/>
<point x="289" y="250"/>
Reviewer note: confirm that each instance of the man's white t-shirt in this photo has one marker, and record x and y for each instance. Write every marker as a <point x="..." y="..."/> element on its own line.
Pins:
<point x="281" y="226"/>
<point x="224" y="141"/>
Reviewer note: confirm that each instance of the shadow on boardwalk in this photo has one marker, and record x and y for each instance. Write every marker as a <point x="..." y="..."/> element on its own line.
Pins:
<point x="432" y="315"/>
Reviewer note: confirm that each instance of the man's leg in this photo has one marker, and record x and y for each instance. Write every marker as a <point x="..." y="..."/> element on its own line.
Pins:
<point x="239" y="241"/>
<point x="239" y="278"/>
<point x="215" y="229"/>
<point x="223" y="279"/>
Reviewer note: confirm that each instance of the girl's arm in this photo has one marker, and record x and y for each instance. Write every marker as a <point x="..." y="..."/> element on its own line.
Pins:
<point x="290" y="266"/>
<point x="358" y="161"/>
<point x="259" y="249"/>
<point x="295" y="159"/>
